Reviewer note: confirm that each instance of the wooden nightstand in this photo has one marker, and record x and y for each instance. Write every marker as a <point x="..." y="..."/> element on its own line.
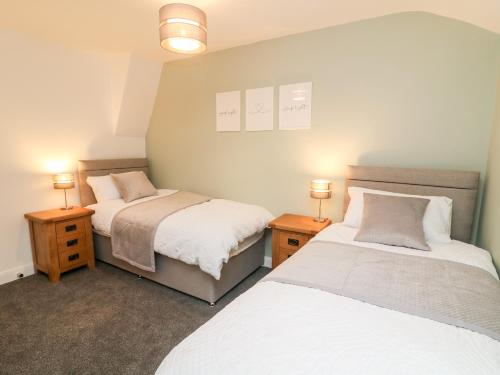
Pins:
<point x="291" y="232"/>
<point x="61" y="240"/>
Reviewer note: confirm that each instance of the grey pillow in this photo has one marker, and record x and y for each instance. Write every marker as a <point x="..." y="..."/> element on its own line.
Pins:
<point x="393" y="220"/>
<point x="133" y="185"/>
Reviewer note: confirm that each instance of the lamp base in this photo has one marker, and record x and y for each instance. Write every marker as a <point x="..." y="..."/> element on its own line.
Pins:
<point x="67" y="208"/>
<point x="320" y="219"/>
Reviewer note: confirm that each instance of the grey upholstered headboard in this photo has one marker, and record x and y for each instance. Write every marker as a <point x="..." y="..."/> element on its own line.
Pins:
<point x="461" y="186"/>
<point x="101" y="168"/>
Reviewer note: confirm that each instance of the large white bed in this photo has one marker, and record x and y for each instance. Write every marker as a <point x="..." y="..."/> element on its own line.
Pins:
<point x="281" y="328"/>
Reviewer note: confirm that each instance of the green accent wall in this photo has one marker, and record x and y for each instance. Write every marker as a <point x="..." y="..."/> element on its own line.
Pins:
<point x="409" y="89"/>
<point x="490" y="221"/>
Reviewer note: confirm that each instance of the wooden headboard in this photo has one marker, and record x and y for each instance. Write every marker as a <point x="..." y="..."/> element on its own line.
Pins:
<point x="104" y="167"/>
<point x="461" y="186"/>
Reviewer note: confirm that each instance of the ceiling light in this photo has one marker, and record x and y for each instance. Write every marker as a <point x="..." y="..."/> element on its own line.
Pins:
<point x="183" y="28"/>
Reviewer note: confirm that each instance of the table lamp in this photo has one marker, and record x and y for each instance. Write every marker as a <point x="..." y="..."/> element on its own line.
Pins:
<point x="64" y="181"/>
<point x="320" y="189"/>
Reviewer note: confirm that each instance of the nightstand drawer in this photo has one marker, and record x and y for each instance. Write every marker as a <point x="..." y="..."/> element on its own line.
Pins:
<point x="70" y="227"/>
<point x="71" y="242"/>
<point x="292" y="241"/>
<point x="285" y="254"/>
<point x="72" y="258"/>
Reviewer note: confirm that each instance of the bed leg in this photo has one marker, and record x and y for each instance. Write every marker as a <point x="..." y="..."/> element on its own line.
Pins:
<point x="211" y="304"/>
<point x="139" y="276"/>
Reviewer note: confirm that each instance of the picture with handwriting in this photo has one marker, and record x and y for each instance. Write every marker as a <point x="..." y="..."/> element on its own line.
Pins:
<point x="227" y="111"/>
<point x="295" y="106"/>
<point x="259" y="109"/>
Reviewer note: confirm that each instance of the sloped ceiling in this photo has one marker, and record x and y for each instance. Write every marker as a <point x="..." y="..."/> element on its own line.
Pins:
<point x="131" y="25"/>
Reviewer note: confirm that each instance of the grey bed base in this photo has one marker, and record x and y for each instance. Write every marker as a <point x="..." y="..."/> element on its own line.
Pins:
<point x="169" y="272"/>
<point x="187" y="278"/>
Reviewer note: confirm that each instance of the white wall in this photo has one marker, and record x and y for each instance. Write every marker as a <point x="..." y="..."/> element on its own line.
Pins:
<point x="138" y="97"/>
<point x="55" y="104"/>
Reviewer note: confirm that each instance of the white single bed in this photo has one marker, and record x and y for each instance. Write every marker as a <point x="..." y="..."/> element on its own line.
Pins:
<point x="205" y="235"/>
<point x="281" y="328"/>
<point x="203" y="250"/>
<point x="277" y="328"/>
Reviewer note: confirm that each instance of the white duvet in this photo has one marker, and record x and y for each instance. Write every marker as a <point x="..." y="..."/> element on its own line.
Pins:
<point x="277" y="328"/>
<point x="203" y="235"/>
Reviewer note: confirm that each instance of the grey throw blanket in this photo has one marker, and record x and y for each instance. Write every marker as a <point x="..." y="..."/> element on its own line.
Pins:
<point x="134" y="228"/>
<point x="444" y="291"/>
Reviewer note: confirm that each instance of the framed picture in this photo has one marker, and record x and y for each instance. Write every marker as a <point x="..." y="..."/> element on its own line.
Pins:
<point x="259" y="109"/>
<point x="227" y="111"/>
<point x="295" y="106"/>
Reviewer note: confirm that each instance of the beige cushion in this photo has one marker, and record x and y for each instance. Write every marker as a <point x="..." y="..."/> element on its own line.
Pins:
<point x="393" y="220"/>
<point x="133" y="185"/>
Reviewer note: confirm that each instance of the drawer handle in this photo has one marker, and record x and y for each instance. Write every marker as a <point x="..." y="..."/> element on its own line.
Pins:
<point x="293" y="242"/>
<point x="73" y="257"/>
<point x="72" y="242"/>
<point x="70" y="228"/>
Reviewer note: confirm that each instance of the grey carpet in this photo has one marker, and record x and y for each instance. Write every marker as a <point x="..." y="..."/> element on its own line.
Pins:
<point x="105" y="321"/>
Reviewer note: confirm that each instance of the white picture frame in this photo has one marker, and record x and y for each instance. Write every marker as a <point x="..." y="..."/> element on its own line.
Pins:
<point x="295" y="106"/>
<point x="228" y="111"/>
<point x="259" y="109"/>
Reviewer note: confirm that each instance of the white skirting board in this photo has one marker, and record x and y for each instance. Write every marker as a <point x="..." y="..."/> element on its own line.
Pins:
<point x="11" y="274"/>
<point x="268" y="262"/>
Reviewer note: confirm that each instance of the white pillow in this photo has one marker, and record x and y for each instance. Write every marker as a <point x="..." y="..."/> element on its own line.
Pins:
<point x="103" y="187"/>
<point x="437" y="218"/>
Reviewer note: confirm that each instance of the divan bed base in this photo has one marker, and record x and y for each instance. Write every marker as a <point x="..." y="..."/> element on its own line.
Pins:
<point x="188" y="278"/>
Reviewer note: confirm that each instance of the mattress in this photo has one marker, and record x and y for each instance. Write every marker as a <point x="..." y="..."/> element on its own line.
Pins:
<point x="207" y="234"/>
<point x="242" y="245"/>
<point x="456" y="251"/>
<point x="281" y="328"/>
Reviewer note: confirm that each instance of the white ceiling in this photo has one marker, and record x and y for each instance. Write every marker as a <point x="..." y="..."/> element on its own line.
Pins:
<point x="132" y="25"/>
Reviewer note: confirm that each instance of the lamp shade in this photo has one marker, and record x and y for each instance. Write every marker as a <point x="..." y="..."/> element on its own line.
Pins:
<point x="183" y="28"/>
<point x="63" y="181"/>
<point x="321" y="189"/>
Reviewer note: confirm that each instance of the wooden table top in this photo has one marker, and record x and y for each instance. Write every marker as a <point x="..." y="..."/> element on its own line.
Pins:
<point x="57" y="214"/>
<point x="299" y="223"/>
